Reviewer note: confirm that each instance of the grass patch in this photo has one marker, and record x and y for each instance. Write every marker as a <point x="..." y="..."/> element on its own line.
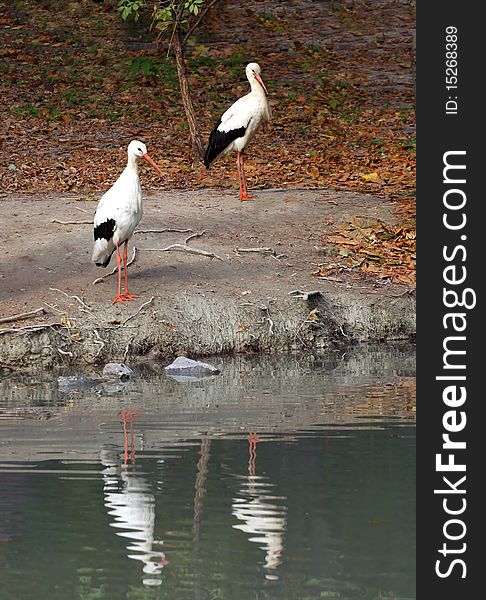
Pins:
<point x="196" y="62"/>
<point x="408" y="144"/>
<point x="237" y="64"/>
<point x="74" y="96"/>
<point x="26" y="110"/>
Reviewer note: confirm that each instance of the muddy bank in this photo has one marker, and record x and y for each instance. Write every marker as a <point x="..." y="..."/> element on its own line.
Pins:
<point x="198" y="326"/>
<point x="256" y="293"/>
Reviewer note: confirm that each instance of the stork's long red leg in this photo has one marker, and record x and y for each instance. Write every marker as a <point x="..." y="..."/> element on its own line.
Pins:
<point x="119" y="297"/>
<point x="245" y="195"/>
<point x="126" y="294"/>
<point x="238" y="164"/>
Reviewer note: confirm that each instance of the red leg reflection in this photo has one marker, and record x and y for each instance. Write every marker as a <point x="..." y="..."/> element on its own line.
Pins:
<point x="252" y="445"/>
<point x="128" y="435"/>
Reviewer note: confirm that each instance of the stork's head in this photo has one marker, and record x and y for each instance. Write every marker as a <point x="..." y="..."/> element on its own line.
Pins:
<point x="253" y="73"/>
<point x="138" y="150"/>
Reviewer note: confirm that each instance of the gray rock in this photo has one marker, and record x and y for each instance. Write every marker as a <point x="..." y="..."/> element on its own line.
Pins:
<point x="188" y="367"/>
<point x="117" y="371"/>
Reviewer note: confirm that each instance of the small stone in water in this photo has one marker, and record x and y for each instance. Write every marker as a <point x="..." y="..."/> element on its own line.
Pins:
<point x="187" y="366"/>
<point x="117" y="371"/>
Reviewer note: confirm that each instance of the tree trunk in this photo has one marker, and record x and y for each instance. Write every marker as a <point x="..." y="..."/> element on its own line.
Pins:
<point x="197" y="145"/>
<point x="200" y="490"/>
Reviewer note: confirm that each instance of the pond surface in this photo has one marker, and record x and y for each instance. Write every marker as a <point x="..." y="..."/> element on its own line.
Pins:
<point x="289" y="477"/>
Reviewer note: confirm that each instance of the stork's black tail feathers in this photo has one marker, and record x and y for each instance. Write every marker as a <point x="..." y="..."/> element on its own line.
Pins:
<point x="219" y="141"/>
<point x="103" y="233"/>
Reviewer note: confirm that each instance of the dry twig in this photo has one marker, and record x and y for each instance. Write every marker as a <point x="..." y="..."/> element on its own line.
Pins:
<point x="140" y="308"/>
<point x="127" y="349"/>
<point x="273" y="253"/>
<point x="194" y="235"/>
<point x="186" y="248"/>
<point x="98" y="341"/>
<point x="262" y="250"/>
<point x="21" y="316"/>
<point x="267" y="318"/>
<point x="270" y="322"/>
<point x="30" y="328"/>
<point x="166" y="229"/>
<point x="72" y="222"/>
<point x="64" y="353"/>
<point x="83" y="304"/>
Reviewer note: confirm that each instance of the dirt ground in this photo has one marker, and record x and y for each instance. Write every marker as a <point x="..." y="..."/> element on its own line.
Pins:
<point x="40" y="254"/>
<point x="46" y="264"/>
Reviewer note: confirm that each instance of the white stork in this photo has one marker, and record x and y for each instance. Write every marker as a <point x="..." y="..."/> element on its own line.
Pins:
<point x="118" y="213"/>
<point x="238" y="125"/>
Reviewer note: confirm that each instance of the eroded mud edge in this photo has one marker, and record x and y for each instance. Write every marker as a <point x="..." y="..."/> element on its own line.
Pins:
<point x="196" y="326"/>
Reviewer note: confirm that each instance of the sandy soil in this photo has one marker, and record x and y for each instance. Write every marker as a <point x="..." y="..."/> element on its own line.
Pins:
<point x="40" y="254"/>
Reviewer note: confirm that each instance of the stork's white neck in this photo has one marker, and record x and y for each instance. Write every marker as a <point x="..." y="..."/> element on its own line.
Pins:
<point x="132" y="163"/>
<point x="256" y="88"/>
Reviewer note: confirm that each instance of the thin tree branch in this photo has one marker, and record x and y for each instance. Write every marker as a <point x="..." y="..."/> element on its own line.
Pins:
<point x="72" y="222"/>
<point x="195" y="235"/>
<point x="262" y="250"/>
<point x="270" y="251"/>
<point x="30" y="328"/>
<point x="177" y="17"/>
<point x="21" y="316"/>
<point x="196" y="23"/>
<point x="166" y="229"/>
<point x="184" y="248"/>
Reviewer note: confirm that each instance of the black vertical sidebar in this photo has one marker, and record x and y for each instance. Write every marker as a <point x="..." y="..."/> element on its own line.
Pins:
<point x="450" y="274"/>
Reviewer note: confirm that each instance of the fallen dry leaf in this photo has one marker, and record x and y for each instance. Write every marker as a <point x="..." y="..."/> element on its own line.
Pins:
<point x="370" y="176"/>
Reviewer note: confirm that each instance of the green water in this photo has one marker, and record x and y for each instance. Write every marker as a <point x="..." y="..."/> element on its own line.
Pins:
<point x="284" y="477"/>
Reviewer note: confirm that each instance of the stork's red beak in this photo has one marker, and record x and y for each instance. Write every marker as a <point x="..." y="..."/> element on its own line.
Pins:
<point x="153" y="163"/>
<point x="260" y="81"/>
